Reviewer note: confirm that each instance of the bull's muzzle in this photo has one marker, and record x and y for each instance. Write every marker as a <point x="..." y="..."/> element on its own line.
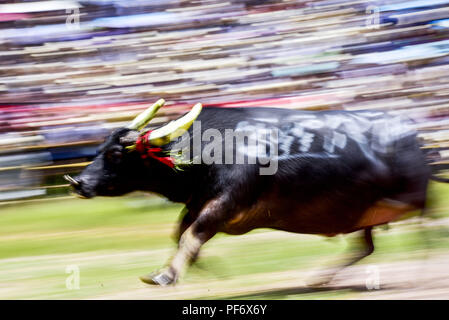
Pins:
<point x="77" y="187"/>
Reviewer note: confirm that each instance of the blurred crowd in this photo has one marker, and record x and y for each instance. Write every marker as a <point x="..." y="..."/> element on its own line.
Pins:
<point x="71" y="71"/>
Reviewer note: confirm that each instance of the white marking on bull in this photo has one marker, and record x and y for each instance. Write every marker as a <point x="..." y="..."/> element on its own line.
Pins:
<point x="285" y="143"/>
<point x="269" y="120"/>
<point x="312" y="124"/>
<point x="306" y="141"/>
<point x="338" y="140"/>
<point x="299" y="117"/>
<point x="297" y="130"/>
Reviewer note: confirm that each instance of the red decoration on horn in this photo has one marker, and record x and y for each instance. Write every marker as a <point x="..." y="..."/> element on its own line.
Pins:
<point x="144" y="147"/>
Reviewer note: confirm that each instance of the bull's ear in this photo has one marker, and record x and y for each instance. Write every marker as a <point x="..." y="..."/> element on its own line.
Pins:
<point x="174" y="129"/>
<point x="142" y="119"/>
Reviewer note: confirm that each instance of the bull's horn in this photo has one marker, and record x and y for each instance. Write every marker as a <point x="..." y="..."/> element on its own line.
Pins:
<point x="142" y="119"/>
<point x="174" y="129"/>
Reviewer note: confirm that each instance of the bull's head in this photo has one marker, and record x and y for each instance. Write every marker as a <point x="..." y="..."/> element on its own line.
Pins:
<point x="118" y="167"/>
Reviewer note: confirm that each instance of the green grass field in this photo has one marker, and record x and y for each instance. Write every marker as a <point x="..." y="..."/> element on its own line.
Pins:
<point x="111" y="241"/>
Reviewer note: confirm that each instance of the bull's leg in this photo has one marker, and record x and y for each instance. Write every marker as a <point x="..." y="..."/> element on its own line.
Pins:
<point x="326" y="276"/>
<point x="187" y="220"/>
<point x="200" y="231"/>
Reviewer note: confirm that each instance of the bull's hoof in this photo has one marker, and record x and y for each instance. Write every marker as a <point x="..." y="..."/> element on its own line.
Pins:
<point x="163" y="278"/>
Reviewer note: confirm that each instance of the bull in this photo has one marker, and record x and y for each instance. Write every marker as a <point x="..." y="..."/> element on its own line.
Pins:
<point x="326" y="173"/>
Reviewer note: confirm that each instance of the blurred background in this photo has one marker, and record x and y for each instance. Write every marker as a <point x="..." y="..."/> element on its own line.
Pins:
<point x="72" y="71"/>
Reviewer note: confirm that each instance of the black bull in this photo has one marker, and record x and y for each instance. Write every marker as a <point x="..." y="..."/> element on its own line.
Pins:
<point x="337" y="172"/>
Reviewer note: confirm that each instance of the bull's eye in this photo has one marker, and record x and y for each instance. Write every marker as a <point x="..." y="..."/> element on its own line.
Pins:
<point x="114" y="155"/>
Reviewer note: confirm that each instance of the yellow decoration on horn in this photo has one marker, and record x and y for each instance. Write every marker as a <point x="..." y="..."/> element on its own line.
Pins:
<point x="142" y="119"/>
<point x="174" y="129"/>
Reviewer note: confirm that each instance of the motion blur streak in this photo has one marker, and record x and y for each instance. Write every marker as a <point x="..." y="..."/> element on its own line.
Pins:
<point x="72" y="71"/>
